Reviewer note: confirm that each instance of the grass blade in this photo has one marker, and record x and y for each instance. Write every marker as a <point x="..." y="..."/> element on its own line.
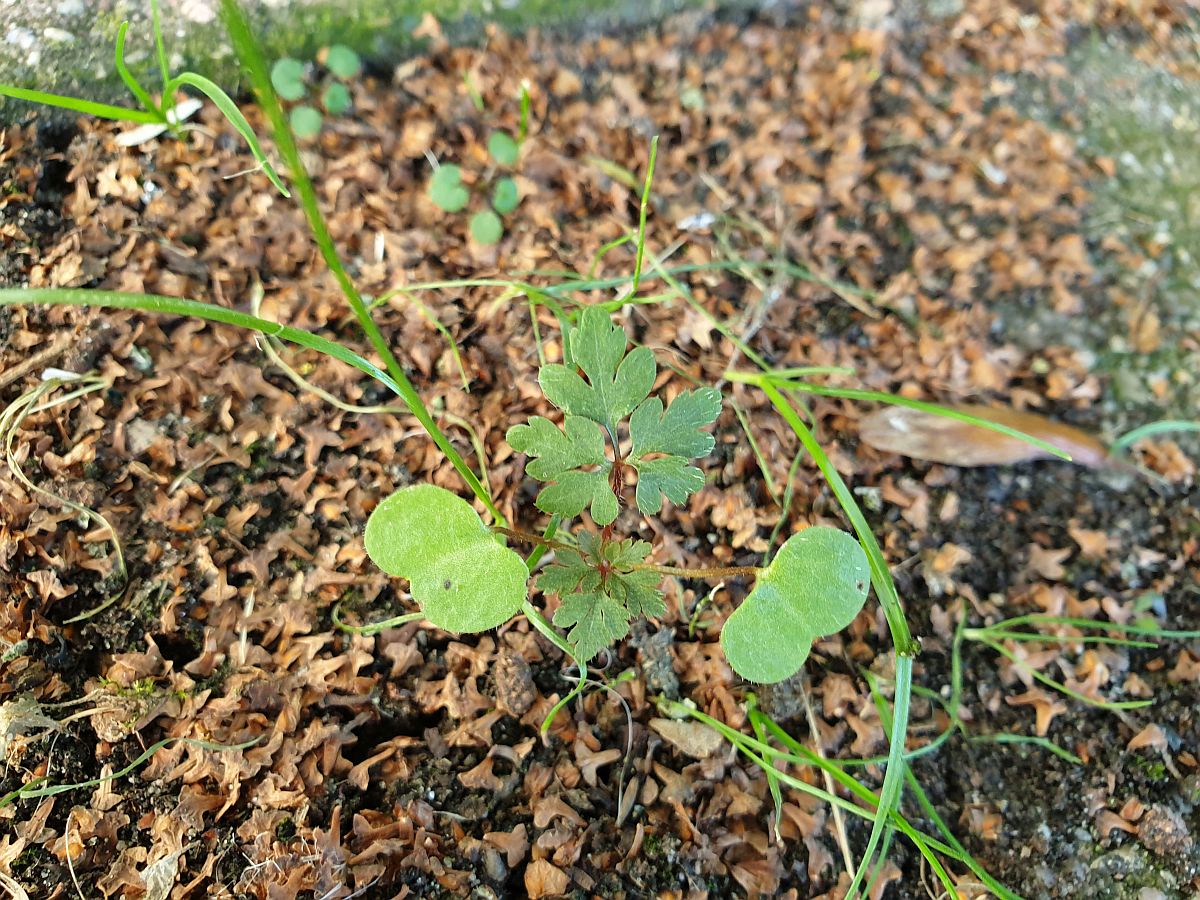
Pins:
<point x="255" y="65"/>
<point x="230" y="111"/>
<point x="135" y="87"/>
<point x="1129" y="438"/>
<point x="921" y="405"/>
<point x="86" y="107"/>
<point x="641" y="232"/>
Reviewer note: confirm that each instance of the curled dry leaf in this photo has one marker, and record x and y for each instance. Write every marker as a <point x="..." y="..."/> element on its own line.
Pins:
<point x="932" y="437"/>
<point x="694" y="739"/>
<point x="544" y="879"/>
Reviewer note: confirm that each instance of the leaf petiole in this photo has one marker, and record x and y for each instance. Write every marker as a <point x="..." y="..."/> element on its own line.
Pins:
<point x="528" y="537"/>
<point x="706" y="572"/>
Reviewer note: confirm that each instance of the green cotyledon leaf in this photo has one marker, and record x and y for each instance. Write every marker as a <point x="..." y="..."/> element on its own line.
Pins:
<point x="816" y="584"/>
<point x="558" y="457"/>
<point x="459" y="571"/>
<point x="615" y="383"/>
<point x="446" y="189"/>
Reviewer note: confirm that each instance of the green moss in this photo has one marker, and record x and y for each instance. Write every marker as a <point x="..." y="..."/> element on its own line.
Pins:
<point x="286" y="829"/>
<point x="1151" y="769"/>
<point x="29" y="860"/>
<point x="142" y="688"/>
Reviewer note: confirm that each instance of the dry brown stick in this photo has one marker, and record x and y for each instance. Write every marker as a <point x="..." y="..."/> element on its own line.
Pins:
<point x="57" y="347"/>
<point x="839" y="824"/>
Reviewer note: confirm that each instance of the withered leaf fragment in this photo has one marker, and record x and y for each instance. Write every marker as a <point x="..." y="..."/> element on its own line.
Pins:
<point x="928" y="436"/>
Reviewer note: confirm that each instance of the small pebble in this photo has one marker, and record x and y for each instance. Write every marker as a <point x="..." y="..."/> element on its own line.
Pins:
<point x="21" y="38"/>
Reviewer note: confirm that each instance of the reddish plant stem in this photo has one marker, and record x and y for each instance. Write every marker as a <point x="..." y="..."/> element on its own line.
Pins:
<point x="713" y="572"/>
<point x="526" y="537"/>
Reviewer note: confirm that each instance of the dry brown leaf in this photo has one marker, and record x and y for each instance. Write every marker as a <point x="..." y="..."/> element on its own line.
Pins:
<point x="927" y="436"/>
<point x="1150" y="736"/>
<point x="1045" y="707"/>
<point x="513" y="844"/>
<point x="1107" y="820"/>
<point x="1092" y="544"/>
<point x="543" y="879"/>
<point x="1048" y="563"/>
<point x="694" y="739"/>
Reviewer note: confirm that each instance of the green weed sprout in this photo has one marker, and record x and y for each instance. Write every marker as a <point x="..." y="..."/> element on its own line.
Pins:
<point x="294" y="82"/>
<point x="448" y="193"/>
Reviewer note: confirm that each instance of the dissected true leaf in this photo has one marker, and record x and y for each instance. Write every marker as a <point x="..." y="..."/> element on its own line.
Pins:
<point x="627" y="553"/>
<point x="462" y="575"/>
<point x="572" y="491"/>
<point x="614" y="386"/>
<point x="600" y="607"/>
<point x="554" y="451"/>
<point x="639" y="592"/>
<point x="932" y="437"/>
<point x="446" y="189"/>
<point x="569" y="572"/>
<point x="815" y="586"/>
<point x="596" y="620"/>
<point x="665" y="476"/>
<point x="676" y="431"/>
<point x="558" y="456"/>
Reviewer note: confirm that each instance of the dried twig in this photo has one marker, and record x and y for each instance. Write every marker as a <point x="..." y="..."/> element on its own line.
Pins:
<point x="56" y="348"/>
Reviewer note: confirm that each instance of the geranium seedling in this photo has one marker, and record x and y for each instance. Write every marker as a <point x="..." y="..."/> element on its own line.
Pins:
<point x="466" y="580"/>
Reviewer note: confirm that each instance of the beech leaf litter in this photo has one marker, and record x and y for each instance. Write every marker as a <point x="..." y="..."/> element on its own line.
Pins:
<point x="852" y="190"/>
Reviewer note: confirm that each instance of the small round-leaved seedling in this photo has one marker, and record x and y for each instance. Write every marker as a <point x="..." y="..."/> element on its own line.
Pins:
<point x="505" y="196"/>
<point x="815" y="586"/>
<point x="503" y="148"/>
<point x="446" y="189"/>
<point x="459" y="571"/>
<point x="486" y="227"/>
<point x="335" y="98"/>
<point x="342" y="61"/>
<point x="306" y="122"/>
<point x="287" y="77"/>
